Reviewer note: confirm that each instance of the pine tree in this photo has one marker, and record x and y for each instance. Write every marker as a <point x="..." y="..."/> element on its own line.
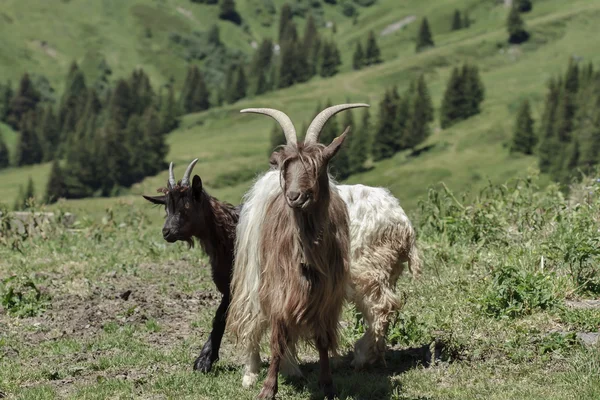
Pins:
<point x="168" y="112"/>
<point x="201" y="95"/>
<point x="72" y="101"/>
<point x="214" y="35"/>
<point x="516" y="27"/>
<point x="572" y="77"/>
<point x="372" y="53"/>
<point x="240" y="87"/>
<point x="359" y="149"/>
<point x="276" y="138"/>
<point x="524" y="137"/>
<point x="386" y="139"/>
<point x="402" y="120"/>
<point x="572" y="156"/>
<point x="424" y="37"/>
<point x="142" y="94"/>
<point x="420" y="115"/>
<point x="25" y="100"/>
<point x="289" y="56"/>
<point x="358" y="58"/>
<point x="340" y="164"/>
<point x="331" y="128"/>
<point x="29" y="148"/>
<point x="154" y="143"/>
<point x="284" y="19"/>
<point x="4" y="154"/>
<point x="120" y="107"/>
<point x="49" y="133"/>
<point x="457" y="23"/>
<point x="453" y="101"/>
<point x="19" y="203"/>
<point x="260" y="65"/>
<point x="6" y="95"/>
<point x="310" y="42"/>
<point x="473" y="91"/>
<point x="228" y="12"/>
<point x="330" y="60"/>
<point x="524" y="5"/>
<point x="590" y="139"/>
<point x="466" y="20"/>
<point x="29" y="195"/>
<point x="549" y="145"/>
<point x="55" y="188"/>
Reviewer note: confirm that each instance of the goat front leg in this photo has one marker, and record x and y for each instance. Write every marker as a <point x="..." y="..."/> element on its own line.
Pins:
<point x="325" y="378"/>
<point x="210" y="351"/>
<point x="279" y="341"/>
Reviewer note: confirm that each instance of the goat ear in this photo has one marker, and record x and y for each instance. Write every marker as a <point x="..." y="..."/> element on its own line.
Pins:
<point x="334" y="147"/>
<point x="197" y="187"/>
<point x="155" y="199"/>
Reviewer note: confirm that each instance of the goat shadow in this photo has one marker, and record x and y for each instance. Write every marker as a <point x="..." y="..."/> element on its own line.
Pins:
<point x="370" y="384"/>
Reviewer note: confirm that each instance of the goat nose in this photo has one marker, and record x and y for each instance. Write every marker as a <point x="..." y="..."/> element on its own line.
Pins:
<point x="166" y="232"/>
<point x="293" y="195"/>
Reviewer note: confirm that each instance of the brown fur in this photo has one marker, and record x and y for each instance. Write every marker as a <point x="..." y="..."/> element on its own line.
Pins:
<point x="306" y="261"/>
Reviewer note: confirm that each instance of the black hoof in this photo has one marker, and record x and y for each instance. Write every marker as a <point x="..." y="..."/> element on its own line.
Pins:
<point x="203" y="363"/>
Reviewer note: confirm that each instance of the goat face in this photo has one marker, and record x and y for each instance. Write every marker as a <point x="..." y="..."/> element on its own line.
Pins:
<point x="181" y="205"/>
<point x="303" y="170"/>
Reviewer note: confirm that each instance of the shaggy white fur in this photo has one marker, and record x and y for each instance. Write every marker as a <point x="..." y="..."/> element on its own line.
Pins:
<point x="382" y="239"/>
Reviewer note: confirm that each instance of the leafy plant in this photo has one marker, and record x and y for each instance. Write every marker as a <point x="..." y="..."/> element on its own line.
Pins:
<point x="22" y="297"/>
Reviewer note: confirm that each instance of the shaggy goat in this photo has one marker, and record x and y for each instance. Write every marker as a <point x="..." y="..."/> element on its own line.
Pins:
<point x="382" y="239"/>
<point x="191" y="212"/>
<point x="303" y="242"/>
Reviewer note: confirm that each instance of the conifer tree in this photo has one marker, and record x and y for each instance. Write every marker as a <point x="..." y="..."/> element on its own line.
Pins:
<point x="72" y="101"/>
<point x="457" y="23"/>
<point x="310" y="43"/>
<point x="29" y="148"/>
<point x="330" y="59"/>
<point x="358" y="58"/>
<point x="228" y="12"/>
<point x="154" y="141"/>
<point x="424" y="37"/>
<point x="4" y="154"/>
<point x="142" y="94"/>
<point x="241" y="85"/>
<point x="49" y="133"/>
<point x="516" y="27"/>
<point x="549" y="145"/>
<point x="120" y="106"/>
<point x="572" y="156"/>
<point x="524" y="137"/>
<point x="201" y="95"/>
<point x="401" y="122"/>
<point x="340" y="164"/>
<point x="359" y="149"/>
<point x="572" y="77"/>
<point x="386" y="139"/>
<point x="420" y="115"/>
<point x="18" y="205"/>
<point x="453" y="101"/>
<point x="372" y="53"/>
<point x="25" y="100"/>
<point x="331" y="128"/>
<point x="466" y="20"/>
<point x="29" y="195"/>
<point x="284" y="19"/>
<point x="590" y="138"/>
<point x="168" y="112"/>
<point x="6" y="95"/>
<point x="55" y="188"/>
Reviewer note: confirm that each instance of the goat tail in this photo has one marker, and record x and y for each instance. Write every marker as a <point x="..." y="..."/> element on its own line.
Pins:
<point x="415" y="263"/>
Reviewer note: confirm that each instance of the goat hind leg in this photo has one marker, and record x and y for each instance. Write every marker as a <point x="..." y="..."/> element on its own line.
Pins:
<point x="289" y="364"/>
<point x="210" y="350"/>
<point x="325" y="378"/>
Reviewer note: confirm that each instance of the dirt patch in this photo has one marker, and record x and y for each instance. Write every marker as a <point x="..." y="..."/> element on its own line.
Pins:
<point x="584" y="304"/>
<point x="398" y="25"/>
<point x="45" y="47"/>
<point x="185" y="13"/>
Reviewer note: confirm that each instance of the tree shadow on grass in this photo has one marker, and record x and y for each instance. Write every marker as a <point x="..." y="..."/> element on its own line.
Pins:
<point x="372" y="383"/>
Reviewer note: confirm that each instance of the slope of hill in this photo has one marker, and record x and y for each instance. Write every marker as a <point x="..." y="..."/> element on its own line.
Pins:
<point x="226" y="142"/>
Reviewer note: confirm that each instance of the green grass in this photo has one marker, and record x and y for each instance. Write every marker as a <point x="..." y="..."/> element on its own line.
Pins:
<point x="483" y="297"/>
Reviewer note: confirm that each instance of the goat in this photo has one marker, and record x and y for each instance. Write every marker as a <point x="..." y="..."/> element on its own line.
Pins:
<point x="382" y="240"/>
<point x="303" y="242"/>
<point x="193" y="213"/>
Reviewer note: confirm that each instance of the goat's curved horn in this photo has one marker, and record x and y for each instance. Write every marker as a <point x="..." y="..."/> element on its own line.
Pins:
<point x="185" y="181"/>
<point x="286" y="123"/>
<point x="317" y="124"/>
<point x="172" y="181"/>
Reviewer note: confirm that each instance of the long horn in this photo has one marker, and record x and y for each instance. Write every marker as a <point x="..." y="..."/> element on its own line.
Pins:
<point x="317" y="124"/>
<point x="185" y="181"/>
<point x="172" y="181"/>
<point x="286" y="123"/>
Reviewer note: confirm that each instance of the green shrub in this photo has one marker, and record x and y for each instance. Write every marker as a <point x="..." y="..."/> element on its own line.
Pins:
<point x="20" y="296"/>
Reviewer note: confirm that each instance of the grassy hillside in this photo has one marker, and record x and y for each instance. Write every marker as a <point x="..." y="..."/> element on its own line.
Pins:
<point x="466" y="155"/>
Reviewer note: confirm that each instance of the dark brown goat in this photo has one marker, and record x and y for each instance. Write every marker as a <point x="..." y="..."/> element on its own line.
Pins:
<point x="304" y="247"/>
<point x="193" y="213"/>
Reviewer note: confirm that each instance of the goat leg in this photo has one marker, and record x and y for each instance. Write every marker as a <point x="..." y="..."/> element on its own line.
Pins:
<point x="279" y="340"/>
<point x="210" y="351"/>
<point x="325" y="378"/>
